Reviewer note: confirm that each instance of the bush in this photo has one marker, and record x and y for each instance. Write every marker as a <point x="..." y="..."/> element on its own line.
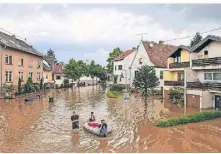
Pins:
<point x="198" y="117"/>
<point x="112" y="94"/>
<point x="116" y="87"/>
<point x="176" y="95"/>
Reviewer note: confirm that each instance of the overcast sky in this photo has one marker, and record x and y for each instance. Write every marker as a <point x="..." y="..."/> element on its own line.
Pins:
<point x="91" y="31"/>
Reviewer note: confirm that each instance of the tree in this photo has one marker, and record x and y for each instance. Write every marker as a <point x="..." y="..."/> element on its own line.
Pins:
<point x="92" y="70"/>
<point x="196" y="39"/>
<point x="116" y="52"/>
<point x="72" y="70"/>
<point x="145" y="80"/>
<point x="19" y="85"/>
<point x="41" y="84"/>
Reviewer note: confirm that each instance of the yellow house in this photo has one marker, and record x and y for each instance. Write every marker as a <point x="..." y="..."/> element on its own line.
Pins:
<point x="47" y="75"/>
<point x="178" y="61"/>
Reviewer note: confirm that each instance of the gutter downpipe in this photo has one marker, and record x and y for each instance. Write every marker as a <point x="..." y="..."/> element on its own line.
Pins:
<point x="1" y="60"/>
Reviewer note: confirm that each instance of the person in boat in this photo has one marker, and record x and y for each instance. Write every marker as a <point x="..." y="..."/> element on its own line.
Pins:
<point x="75" y="122"/>
<point x="103" y="129"/>
<point x="92" y="118"/>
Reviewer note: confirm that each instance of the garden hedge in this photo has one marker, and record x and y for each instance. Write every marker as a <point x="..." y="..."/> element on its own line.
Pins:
<point x="197" y="117"/>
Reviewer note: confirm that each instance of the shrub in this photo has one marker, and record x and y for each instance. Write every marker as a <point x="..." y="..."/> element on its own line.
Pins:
<point x="116" y="87"/>
<point x="198" y="117"/>
<point x="176" y="95"/>
<point x="112" y="94"/>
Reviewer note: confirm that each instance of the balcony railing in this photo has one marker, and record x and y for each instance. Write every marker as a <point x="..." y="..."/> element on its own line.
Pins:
<point x="204" y="85"/>
<point x="174" y="83"/>
<point x="179" y="65"/>
<point x="208" y="61"/>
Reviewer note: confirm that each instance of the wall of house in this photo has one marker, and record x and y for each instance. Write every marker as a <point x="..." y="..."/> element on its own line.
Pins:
<point x="185" y="57"/>
<point x="213" y="51"/>
<point x="207" y="101"/>
<point x="47" y="76"/>
<point x="60" y="81"/>
<point x="26" y="68"/>
<point x="141" y="53"/>
<point x="126" y="62"/>
<point x="191" y="75"/>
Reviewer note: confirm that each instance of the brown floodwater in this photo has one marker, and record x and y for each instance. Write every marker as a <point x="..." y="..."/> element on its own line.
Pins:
<point x="41" y="126"/>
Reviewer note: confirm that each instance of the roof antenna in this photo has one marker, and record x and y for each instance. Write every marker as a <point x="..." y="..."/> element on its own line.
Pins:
<point x="141" y="35"/>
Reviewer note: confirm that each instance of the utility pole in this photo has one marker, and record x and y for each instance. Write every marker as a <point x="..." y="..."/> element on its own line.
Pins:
<point x="141" y="35"/>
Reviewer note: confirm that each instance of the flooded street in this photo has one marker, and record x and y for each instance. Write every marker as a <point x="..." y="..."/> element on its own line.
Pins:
<point x="41" y="126"/>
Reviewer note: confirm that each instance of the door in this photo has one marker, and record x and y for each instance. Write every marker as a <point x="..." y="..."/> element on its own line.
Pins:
<point x="218" y="102"/>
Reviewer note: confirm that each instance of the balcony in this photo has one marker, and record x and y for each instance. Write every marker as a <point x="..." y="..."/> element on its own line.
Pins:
<point x="205" y="85"/>
<point x="174" y="83"/>
<point x="208" y="61"/>
<point x="179" y="65"/>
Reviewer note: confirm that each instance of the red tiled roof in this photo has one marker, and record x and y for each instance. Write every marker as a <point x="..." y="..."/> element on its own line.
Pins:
<point x="124" y="54"/>
<point x="158" y="53"/>
<point x="58" y="69"/>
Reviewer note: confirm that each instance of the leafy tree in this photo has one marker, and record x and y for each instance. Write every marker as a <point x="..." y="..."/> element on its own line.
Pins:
<point x="19" y="86"/>
<point x="196" y="39"/>
<point x="41" y="84"/>
<point x="72" y="70"/>
<point x="116" y="52"/>
<point x="29" y="85"/>
<point x="93" y="70"/>
<point x="145" y="80"/>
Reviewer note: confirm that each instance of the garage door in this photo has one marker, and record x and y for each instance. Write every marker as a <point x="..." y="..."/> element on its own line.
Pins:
<point x="193" y="100"/>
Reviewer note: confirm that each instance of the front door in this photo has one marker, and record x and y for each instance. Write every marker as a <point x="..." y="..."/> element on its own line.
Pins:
<point x="218" y="102"/>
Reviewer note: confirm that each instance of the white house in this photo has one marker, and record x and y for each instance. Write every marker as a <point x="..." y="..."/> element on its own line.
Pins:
<point x="121" y="67"/>
<point x="152" y="54"/>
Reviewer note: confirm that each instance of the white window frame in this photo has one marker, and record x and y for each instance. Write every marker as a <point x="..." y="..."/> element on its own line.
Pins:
<point x="21" y="75"/>
<point x="19" y="62"/>
<point x="7" y="78"/>
<point x="8" y="59"/>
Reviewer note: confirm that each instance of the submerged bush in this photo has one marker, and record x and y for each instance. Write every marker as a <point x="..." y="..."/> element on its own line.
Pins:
<point x="112" y="94"/>
<point x="198" y="117"/>
<point x="116" y="87"/>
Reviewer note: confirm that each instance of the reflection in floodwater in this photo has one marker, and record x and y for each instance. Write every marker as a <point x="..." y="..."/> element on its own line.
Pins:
<point x="46" y="127"/>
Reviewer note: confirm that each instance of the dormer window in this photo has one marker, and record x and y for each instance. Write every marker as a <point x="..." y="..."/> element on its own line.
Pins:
<point x="206" y="54"/>
<point x="140" y="61"/>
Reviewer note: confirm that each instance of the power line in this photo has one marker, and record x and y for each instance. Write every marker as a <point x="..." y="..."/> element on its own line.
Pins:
<point x="192" y="35"/>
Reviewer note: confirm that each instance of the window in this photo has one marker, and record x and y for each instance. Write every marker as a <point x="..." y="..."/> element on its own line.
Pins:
<point x="180" y="76"/>
<point x="8" y="60"/>
<point x="30" y="63"/>
<point x="177" y="59"/>
<point x="208" y="76"/>
<point x="58" y="77"/>
<point x="140" y="61"/>
<point x="115" y="67"/>
<point x="135" y="74"/>
<point x="216" y="76"/>
<point x="119" y="67"/>
<point x="206" y="54"/>
<point x="8" y="76"/>
<point x="20" y="74"/>
<point x="38" y="76"/>
<point x="39" y="65"/>
<point x="161" y="74"/>
<point x="21" y="62"/>
<point x="30" y="74"/>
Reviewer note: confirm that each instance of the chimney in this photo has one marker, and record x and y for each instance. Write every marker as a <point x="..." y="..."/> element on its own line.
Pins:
<point x="160" y="42"/>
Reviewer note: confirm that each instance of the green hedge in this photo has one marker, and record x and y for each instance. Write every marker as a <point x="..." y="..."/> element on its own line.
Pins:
<point x="116" y="87"/>
<point x="112" y="94"/>
<point x="198" y="117"/>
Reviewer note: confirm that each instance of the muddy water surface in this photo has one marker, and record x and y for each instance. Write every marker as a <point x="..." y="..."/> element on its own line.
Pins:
<point x="46" y="127"/>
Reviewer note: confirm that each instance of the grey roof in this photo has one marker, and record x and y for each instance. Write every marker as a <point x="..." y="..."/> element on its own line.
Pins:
<point x="46" y="68"/>
<point x="199" y="46"/>
<point x="181" y="47"/>
<point x="11" y="41"/>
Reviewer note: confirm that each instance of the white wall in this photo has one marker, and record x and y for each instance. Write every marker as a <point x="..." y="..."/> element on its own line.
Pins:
<point x="207" y="101"/>
<point x="142" y="53"/>
<point x="213" y="51"/>
<point x="59" y="82"/>
<point x="125" y="65"/>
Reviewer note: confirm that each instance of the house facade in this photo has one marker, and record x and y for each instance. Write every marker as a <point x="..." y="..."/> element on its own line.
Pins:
<point x="58" y="75"/>
<point x="199" y="75"/>
<point x="48" y="66"/>
<point x="152" y="54"/>
<point x="121" y="67"/>
<point x="18" y="60"/>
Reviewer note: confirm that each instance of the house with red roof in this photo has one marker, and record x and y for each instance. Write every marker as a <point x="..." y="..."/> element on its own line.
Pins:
<point x="58" y="74"/>
<point x="152" y="54"/>
<point x="121" y="66"/>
